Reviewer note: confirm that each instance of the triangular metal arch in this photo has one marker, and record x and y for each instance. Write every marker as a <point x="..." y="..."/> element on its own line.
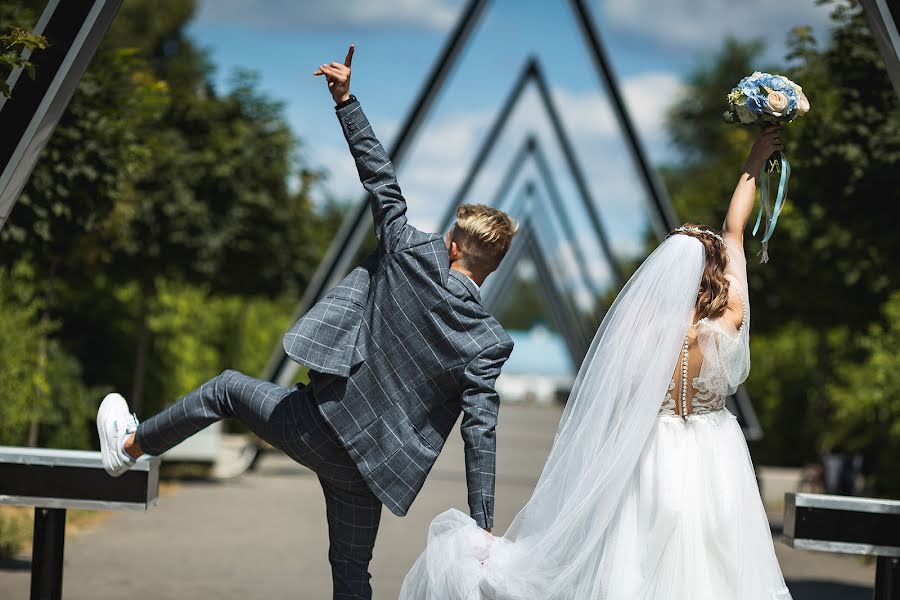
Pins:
<point x="525" y="244"/>
<point x="531" y="151"/>
<point x="521" y="207"/>
<point x="30" y="116"/>
<point x="533" y="73"/>
<point x="355" y="228"/>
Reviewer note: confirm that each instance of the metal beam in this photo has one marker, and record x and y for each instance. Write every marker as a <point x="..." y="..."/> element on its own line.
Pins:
<point x="357" y="226"/>
<point x="490" y="139"/>
<point x="584" y="329"/>
<point x="883" y="23"/>
<point x="665" y="218"/>
<point x="556" y="198"/>
<point x="29" y="117"/>
<point x="554" y="298"/>
<point x="740" y="405"/>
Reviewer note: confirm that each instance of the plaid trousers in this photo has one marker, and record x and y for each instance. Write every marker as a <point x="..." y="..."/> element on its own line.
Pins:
<point x="289" y="419"/>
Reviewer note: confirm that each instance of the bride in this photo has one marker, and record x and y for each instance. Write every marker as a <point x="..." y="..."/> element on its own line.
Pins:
<point x="648" y="492"/>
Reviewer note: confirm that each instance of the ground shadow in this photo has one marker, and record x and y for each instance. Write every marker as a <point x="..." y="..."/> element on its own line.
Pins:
<point x="826" y="590"/>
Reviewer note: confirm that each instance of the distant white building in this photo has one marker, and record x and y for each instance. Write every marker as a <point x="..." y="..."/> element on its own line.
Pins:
<point x="539" y="370"/>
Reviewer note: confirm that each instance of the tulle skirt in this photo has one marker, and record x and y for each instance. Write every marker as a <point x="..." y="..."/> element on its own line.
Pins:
<point x="690" y="526"/>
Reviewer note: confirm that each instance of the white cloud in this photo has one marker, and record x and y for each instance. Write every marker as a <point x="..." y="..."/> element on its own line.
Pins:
<point x="333" y="14"/>
<point x="701" y="24"/>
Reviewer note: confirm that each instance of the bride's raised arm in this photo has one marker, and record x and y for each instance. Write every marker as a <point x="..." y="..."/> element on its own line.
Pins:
<point x="767" y="143"/>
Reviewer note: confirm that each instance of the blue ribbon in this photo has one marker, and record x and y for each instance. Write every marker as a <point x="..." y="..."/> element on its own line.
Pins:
<point x="765" y="205"/>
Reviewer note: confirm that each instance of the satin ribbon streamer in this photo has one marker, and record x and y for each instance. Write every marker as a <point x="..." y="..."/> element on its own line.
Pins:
<point x="765" y="203"/>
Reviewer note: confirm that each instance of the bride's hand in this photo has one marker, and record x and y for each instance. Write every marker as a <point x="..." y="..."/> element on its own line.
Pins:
<point x="767" y="143"/>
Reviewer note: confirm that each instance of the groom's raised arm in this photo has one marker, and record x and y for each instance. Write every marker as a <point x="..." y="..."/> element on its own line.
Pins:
<point x="372" y="162"/>
<point x="377" y="176"/>
<point x="480" y="404"/>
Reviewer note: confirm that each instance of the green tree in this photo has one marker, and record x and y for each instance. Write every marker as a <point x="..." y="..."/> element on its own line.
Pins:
<point x="833" y="259"/>
<point x="864" y="399"/>
<point x="156" y="183"/>
<point x="39" y="382"/>
<point x="845" y="154"/>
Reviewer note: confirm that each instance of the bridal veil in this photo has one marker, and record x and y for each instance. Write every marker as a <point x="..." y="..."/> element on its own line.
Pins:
<point x="552" y="548"/>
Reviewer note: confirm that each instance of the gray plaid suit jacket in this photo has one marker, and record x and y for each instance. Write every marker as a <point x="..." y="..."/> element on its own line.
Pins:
<point x="401" y="347"/>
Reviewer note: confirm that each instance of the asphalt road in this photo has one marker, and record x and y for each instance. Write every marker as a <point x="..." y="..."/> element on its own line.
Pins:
<point x="263" y="534"/>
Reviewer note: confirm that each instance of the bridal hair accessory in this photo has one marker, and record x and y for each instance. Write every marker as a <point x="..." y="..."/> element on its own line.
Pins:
<point x="764" y="99"/>
<point x="709" y="232"/>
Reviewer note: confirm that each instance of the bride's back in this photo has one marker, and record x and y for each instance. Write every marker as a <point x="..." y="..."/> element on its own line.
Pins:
<point x="715" y="353"/>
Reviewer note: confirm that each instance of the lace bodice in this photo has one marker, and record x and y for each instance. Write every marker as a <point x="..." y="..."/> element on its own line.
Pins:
<point x="714" y="361"/>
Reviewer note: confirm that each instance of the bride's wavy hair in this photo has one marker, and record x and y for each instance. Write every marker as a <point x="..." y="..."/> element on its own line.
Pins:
<point x="713" y="296"/>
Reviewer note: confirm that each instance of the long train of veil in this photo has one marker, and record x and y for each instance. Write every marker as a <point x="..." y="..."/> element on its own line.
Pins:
<point x="553" y="547"/>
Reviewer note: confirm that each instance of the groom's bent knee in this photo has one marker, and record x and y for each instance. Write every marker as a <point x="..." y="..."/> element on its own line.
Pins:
<point x="225" y="383"/>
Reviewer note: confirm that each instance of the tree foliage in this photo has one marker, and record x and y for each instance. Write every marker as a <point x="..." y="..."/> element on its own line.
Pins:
<point x="13" y="44"/>
<point x="163" y="218"/>
<point x="826" y="304"/>
<point x="844" y="153"/>
<point x="863" y="392"/>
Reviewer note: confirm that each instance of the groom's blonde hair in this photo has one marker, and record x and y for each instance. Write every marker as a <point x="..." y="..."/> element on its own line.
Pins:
<point x="483" y="235"/>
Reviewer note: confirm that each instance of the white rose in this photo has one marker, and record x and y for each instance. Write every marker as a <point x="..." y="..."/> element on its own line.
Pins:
<point x="744" y="115"/>
<point x="802" y="104"/>
<point x="776" y="103"/>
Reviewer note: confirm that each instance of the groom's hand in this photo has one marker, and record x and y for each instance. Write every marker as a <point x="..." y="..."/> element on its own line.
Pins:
<point x="338" y="77"/>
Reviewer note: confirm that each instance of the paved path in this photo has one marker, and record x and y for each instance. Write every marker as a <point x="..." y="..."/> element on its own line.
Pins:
<point x="263" y="535"/>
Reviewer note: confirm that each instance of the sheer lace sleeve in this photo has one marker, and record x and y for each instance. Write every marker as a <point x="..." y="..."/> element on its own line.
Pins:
<point x="737" y="268"/>
<point x="726" y="349"/>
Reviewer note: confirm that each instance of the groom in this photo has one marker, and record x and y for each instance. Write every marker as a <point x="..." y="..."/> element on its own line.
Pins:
<point x="396" y="352"/>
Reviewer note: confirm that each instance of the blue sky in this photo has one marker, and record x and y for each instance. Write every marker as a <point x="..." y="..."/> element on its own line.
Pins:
<point x="653" y="44"/>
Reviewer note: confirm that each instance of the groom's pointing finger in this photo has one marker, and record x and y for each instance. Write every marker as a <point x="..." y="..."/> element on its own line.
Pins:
<point x="349" y="57"/>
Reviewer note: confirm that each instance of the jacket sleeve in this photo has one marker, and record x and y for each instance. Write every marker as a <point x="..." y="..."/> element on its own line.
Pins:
<point x="377" y="176"/>
<point x="480" y="404"/>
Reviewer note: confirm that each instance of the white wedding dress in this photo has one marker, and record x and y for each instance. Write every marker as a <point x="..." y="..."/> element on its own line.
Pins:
<point x="649" y="492"/>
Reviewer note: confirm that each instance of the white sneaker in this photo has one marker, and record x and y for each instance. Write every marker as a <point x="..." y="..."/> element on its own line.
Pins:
<point x="115" y="424"/>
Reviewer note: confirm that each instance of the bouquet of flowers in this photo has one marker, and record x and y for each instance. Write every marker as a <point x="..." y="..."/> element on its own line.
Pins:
<point x="764" y="99"/>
